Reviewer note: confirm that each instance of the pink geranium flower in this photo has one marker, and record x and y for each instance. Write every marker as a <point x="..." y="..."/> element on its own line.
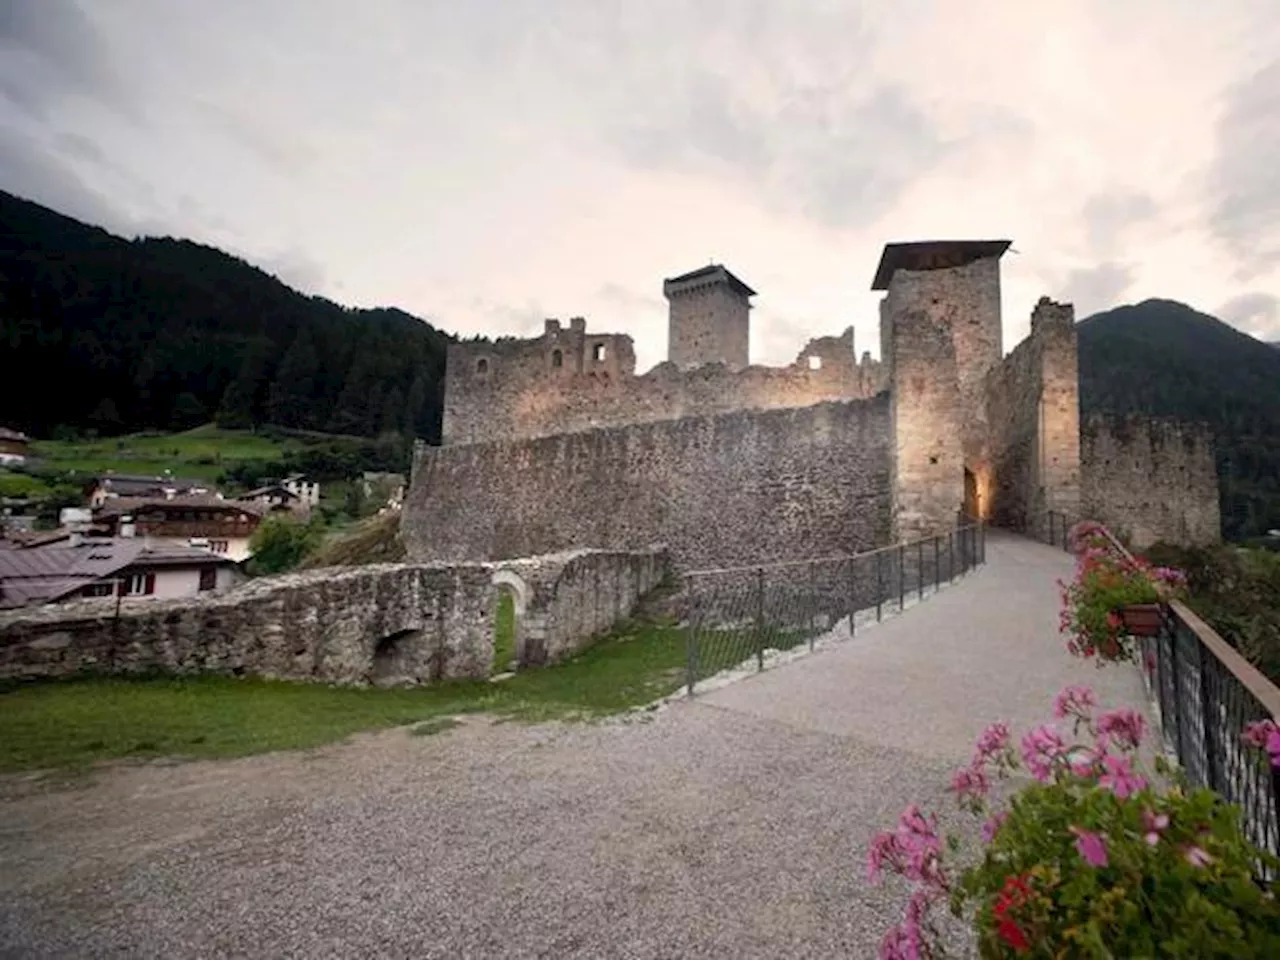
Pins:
<point x="1040" y="748"/>
<point x="1152" y="825"/>
<point x="1119" y="777"/>
<point x="1073" y="701"/>
<point x="1091" y="847"/>
<point x="1124" y="727"/>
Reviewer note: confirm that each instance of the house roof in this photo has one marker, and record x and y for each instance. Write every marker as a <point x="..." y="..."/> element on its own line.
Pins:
<point x="709" y="274"/>
<point x="128" y="484"/>
<point x="277" y="488"/>
<point x="933" y="255"/>
<point x="14" y="435"/>
<point x="43" y="574"/>
<point x="119" y="506"/>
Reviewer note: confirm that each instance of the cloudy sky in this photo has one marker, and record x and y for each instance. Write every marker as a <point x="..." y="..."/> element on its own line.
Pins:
<point x="488" y="163"/>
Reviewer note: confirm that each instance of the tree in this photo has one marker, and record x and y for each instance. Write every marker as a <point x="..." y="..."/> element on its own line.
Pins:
<point x="105" y="416"/>
<point x="279" y="544"/>
<point x="292" y="393"/>
<point x="188" y="411"/>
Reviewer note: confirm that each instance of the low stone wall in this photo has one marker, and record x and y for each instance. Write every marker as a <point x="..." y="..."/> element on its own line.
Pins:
<point x="384" y="623"/>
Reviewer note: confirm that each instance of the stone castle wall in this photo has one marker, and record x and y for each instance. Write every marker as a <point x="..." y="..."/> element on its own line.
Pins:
<point x="744" y="487"/>
<point x="1150" y="479"/>
<point x="966" y="301"/>
<point x="708" y="323"/>
<point x="1034" y="417"/>
<point x="567" y="381"/>
<point x="387" y="622"/>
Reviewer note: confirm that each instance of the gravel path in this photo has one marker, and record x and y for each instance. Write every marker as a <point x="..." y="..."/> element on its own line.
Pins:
<point x="732" y="826"/>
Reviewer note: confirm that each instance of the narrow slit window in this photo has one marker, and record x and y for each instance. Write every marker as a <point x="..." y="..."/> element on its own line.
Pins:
<point x="598" y="352"/>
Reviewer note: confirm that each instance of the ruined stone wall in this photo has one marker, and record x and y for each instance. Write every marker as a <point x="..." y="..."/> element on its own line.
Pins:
<point x="928" y="466"/>
<point x="519" y="391"/>
<point x="720" y="490"/>
<point x="966" y="301"/>
<point x="1150" y="479"/>
<point x="1034" y="416"/>
<point x="381" y="623"/>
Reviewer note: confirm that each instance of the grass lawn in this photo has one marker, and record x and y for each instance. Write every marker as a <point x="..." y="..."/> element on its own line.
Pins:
<point x="201" y="453"/>
<point x="74" y="723"/>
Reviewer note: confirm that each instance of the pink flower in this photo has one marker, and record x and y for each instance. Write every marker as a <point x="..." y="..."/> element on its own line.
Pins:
<point x="1084" y="761"/>
<point x="1152" y="824"/>
<point x="1124" y="727"/>
<point x="1091" y="847"/>
<point x="1256" y="733"/>
<point x="1196" y="856"/>
<point x="1273" y="747"/>
<point x="1119" y="777"/>
<point x="1040" y="748"/>
<point x="994" y="739"/>
<point x="912" y="850"/>
<point x="898" y="945"/>
<point x="993" y="825"/>
<point x="1073" y="701"/>
<point x="970" y="782"/>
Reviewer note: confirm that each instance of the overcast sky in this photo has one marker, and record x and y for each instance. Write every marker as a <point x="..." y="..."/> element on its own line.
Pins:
<point x="487" y="163"/>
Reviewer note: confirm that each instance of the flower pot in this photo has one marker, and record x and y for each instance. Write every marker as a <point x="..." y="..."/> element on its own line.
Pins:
<point x="1141" y="619"/>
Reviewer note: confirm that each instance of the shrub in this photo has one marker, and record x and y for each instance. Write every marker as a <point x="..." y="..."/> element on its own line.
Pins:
<point x="1104" y="584"/>
<point x="279" y="544"/>
<point x="1089" y="860"/>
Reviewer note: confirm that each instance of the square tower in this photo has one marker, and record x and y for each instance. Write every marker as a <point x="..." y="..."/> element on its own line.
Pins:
<point x="709" y="318"/>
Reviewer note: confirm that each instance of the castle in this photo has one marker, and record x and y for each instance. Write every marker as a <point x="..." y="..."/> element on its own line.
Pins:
<point x="556" y="442"/>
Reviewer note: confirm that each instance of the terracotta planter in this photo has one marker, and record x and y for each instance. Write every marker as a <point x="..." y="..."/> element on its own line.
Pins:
<point x="1141" y="619"/>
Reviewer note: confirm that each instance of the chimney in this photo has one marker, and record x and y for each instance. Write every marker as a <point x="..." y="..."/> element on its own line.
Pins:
<point x="127" y="529"/>
<point x="74" y="539"/>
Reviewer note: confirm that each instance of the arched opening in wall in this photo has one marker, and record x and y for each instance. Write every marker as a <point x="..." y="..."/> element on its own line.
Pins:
<point x="391" y="660"/>
<point x="972" y="504"/>
<point x="482" y="365"/>
<point x="509" y="606"/>
<point x="557" y="359"/>
<point x="598" y="352"/>
<point x="815" y="363"/>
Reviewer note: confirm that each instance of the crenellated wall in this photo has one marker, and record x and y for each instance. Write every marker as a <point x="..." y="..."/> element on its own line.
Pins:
<point x="744" y="487"/>
<point x="1151" y="479"/>
<point x="397" y="623"/>
<point x="517" y="389"/>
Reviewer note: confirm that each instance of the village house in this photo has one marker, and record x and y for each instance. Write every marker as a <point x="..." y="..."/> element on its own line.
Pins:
<point x="78" y="567"/>
<point x="15" y="447"/>
<point x="222" y="526"/>
<point x="103" y="488"/>
<point x="307" y="491"/>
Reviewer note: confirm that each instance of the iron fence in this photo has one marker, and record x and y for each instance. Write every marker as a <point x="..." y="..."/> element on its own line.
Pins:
<point x="1204" y="693"/>
<point x="740" y="616"/>
<point x="1058" y="529"/>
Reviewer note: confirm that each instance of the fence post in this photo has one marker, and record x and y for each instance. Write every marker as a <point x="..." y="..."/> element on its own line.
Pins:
<point x="879" y="583"/>
<point x="1176" y="709"/>
<point x="1210" y="718"/>
<point x="813" y="604"/>
<point x="902" y="576"/>
<point x="853" y="594"/>
<point x="691" y="639"/>
<point x="951" y="556"/>
<point x="920" y="569"/>
<point x="982" y="541"/>
<point x="760" y="618"/>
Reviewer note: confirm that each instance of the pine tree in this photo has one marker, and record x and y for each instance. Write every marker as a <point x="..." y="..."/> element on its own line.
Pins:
<point x="292" y="393"/>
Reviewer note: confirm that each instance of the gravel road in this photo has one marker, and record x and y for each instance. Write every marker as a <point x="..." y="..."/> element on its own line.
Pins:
<point x="735" y="825"/>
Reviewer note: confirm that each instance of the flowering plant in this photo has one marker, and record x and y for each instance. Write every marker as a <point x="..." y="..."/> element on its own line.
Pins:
<point x="1105" y="583"/>
<point x="1089" y="859"/>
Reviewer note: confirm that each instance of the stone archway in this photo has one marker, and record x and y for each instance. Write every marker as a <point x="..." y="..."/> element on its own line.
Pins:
<point x="509" y="611"/>
<point x="972" y="506"/>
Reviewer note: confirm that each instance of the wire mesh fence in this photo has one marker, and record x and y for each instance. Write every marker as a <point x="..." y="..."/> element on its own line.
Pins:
<point x="743" y="615"/>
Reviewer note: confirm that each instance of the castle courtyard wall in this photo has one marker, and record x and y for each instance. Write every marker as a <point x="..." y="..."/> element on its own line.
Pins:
<point x="737" y="488"/>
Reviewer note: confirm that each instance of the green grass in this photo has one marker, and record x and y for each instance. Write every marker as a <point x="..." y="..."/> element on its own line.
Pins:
<point x="79" y="722"/>
<point x="22" y="486"/>
<point x="504" y="632"/>
<point x="200" y="454"/>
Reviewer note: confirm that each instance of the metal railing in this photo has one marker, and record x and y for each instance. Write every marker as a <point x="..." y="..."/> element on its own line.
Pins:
<point x="1058" y="529"/>
<point x="736" y="616"/>
<point x="1204" y="693"/>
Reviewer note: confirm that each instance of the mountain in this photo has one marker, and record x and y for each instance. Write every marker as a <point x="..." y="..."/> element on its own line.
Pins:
<point x="123" y="335"/>
<point x="1163" y="358"/>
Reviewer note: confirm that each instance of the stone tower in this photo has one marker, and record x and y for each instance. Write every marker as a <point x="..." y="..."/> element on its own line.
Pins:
<point x="956" y="284"/>
<point x="709" y="318"/>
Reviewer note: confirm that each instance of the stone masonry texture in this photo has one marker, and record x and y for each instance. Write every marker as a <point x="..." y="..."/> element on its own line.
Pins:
<point x="568" y="381"/>
<point x="745" y="487"/>
<point x="708" y="322"/>
<point x="1151" y="480"/>
<point x="410" y="623"/>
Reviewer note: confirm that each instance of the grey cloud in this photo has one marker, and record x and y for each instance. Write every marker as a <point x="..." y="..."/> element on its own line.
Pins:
<point x="1244" y="179"/>
<point x="33" y="172"/>
<point x="294" y="267"/>
<point x="1108" y="215"/>
<point x="630" y="300"/>
<point x="1256" y="313"/>
<point x="1097" y="288"/>
<point x="286" y="155"/>
<point x="54" y="49"/>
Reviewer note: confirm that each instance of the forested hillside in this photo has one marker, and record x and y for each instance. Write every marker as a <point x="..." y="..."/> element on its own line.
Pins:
<point x="125" y="335"/>
<point x="1164" y="358"/>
